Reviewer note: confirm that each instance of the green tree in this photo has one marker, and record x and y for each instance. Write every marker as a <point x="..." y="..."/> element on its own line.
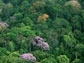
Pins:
<point x="76" y="61"/>
<point x="27" y="21"/>
<point x="11" y="46"/>
<point x="6" y="1"/>
<point x="69" y="40"/>
<point x="54" y="11"/>
<point x="18" y="15"/>
<point x="62" y="26"/>
<point x="24" y="6"/>
<point x="48" y="60"/>
<point x="7" y="10"/>
<point x="41" y="55"/>
<point x="11" y="59"/>
<point x="76" y="22"/>
<point x="62" y="59"/>
<point x="78" y="50"/>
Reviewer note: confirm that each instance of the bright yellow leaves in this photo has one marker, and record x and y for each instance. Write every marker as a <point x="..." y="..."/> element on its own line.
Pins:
<point x="43" y="17"/>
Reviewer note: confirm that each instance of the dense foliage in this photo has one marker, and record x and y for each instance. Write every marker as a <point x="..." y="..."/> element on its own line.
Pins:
<point x="41" y="31"/>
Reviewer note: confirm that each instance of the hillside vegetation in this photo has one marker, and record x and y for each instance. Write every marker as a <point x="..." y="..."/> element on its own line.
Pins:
<point x="41" y="31"/>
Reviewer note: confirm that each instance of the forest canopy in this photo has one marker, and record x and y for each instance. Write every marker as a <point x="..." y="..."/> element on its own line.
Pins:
<point x="41" y="31"/>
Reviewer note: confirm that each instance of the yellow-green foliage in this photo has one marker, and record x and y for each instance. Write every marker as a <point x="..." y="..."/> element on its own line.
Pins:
<point x="2" y="28"/>
<point x="62" y="59"/>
